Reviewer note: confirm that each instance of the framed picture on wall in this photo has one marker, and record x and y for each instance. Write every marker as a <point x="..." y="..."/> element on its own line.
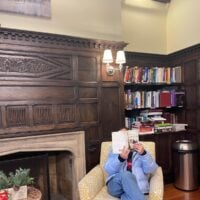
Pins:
<point x="38" y="8"/>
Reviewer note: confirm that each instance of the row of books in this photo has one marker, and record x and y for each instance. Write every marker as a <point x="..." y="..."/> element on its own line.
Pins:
<point x="153" y="75"/>
<point x="154" y="99"/>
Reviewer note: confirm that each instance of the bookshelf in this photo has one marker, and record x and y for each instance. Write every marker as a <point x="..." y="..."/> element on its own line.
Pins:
<point x="189" y="60"/>
<point x="153" y="89"/>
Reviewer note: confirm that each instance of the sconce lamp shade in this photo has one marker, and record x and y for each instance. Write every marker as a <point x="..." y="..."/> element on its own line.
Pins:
<point x="107" y="56"/>
<point x="120" y="59"/>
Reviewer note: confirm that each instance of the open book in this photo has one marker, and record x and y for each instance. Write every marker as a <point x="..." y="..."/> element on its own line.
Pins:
<point x="124" y="138"/>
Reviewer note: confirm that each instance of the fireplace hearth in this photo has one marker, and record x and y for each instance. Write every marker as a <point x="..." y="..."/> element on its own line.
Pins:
<point x="56" y="160"/>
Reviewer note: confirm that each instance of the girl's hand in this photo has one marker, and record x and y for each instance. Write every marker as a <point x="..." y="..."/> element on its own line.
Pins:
<point x="138" y="147"/>
<point x="124" y="153"/>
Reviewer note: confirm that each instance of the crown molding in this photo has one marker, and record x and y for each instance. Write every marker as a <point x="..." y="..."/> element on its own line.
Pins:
<point x="24" y="37"/>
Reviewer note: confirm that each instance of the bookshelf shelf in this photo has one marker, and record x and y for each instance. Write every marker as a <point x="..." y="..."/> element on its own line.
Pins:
<point x="153" y="88"/>
<point x="152" y="84"/>
<point x="165" y="108"/>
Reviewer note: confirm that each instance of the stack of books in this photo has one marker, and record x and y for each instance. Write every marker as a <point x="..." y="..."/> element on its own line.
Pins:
<point x="163" y="127"/>
<point x="155" y="116"/>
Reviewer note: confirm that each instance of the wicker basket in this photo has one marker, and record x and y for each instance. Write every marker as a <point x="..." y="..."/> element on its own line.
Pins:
<point x="34" y="194"/>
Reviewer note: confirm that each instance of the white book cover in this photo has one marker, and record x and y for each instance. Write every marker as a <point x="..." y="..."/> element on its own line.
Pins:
<point x="121" y="139"/>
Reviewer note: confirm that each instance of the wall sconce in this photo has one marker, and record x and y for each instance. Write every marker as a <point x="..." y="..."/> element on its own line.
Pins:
<point x="107" y="58"/>
<point x="120" y="59"/>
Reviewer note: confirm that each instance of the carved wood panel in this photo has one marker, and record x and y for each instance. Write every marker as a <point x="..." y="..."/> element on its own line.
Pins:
<point x="17" y="116"/>
<point x="38" y="66"/>
<point x="42" y="114"/>
<point x="48" y="89"/>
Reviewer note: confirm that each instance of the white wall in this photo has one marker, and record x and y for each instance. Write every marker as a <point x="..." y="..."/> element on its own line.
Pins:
<point x="183" y="24"/>
<point x="144" y="26"/>
<point x="99" y="19"/>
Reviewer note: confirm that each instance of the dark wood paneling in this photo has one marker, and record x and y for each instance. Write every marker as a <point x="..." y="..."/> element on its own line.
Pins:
<point x="50" y="83"/>
<point x="111" y="111"/>
<point x="191" y="96"/>
<point x="87" y="92"/>
<point x="42" y="93"/>
<point x="191" y="118"/>
<point x="87" y="68"/>
<point x="198" y="118"/>
<point x="190" y="71"/>
<point x="145" y="59"/>
<point x="88" y="112"/>
<point x="93" y="137"/>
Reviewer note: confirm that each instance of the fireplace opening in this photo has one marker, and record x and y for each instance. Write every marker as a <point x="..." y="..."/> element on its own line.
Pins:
<point x="52" y="171"/>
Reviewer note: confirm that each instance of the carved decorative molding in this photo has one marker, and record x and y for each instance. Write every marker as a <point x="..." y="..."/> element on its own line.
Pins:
<point x="20" y="115"/>
<point x="65" y="113"/>
<point x="42" y="114"/>
<point x="47" y="39"/>
<point x="16" y="116"/>
<point x="35" y="66"/>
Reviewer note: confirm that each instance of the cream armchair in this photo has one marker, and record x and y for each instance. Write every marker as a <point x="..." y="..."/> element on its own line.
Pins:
<point x="92" y="185"/>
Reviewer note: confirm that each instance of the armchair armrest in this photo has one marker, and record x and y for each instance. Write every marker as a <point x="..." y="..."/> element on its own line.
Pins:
<point x="156" y="185"/>
<point x="91" y="183"/>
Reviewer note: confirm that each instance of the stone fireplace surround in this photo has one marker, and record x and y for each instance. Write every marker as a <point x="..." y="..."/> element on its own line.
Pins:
<point x="74" y="142"/>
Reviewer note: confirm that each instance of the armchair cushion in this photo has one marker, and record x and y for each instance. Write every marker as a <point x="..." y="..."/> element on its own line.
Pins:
<point x="156" y="185"/>
<point x="92" y="186"/>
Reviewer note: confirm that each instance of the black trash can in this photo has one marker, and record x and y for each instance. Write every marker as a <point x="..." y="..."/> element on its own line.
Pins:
<point x="185" y="164"/>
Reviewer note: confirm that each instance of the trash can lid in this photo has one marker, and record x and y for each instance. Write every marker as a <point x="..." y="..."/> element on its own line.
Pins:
<point x="186" y="145"/>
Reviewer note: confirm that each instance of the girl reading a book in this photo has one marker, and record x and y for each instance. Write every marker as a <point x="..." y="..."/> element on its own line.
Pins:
<point x="128" y="172"/>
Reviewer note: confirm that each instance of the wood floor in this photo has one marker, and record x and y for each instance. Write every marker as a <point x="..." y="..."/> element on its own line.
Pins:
<point x="171" y="193"/>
